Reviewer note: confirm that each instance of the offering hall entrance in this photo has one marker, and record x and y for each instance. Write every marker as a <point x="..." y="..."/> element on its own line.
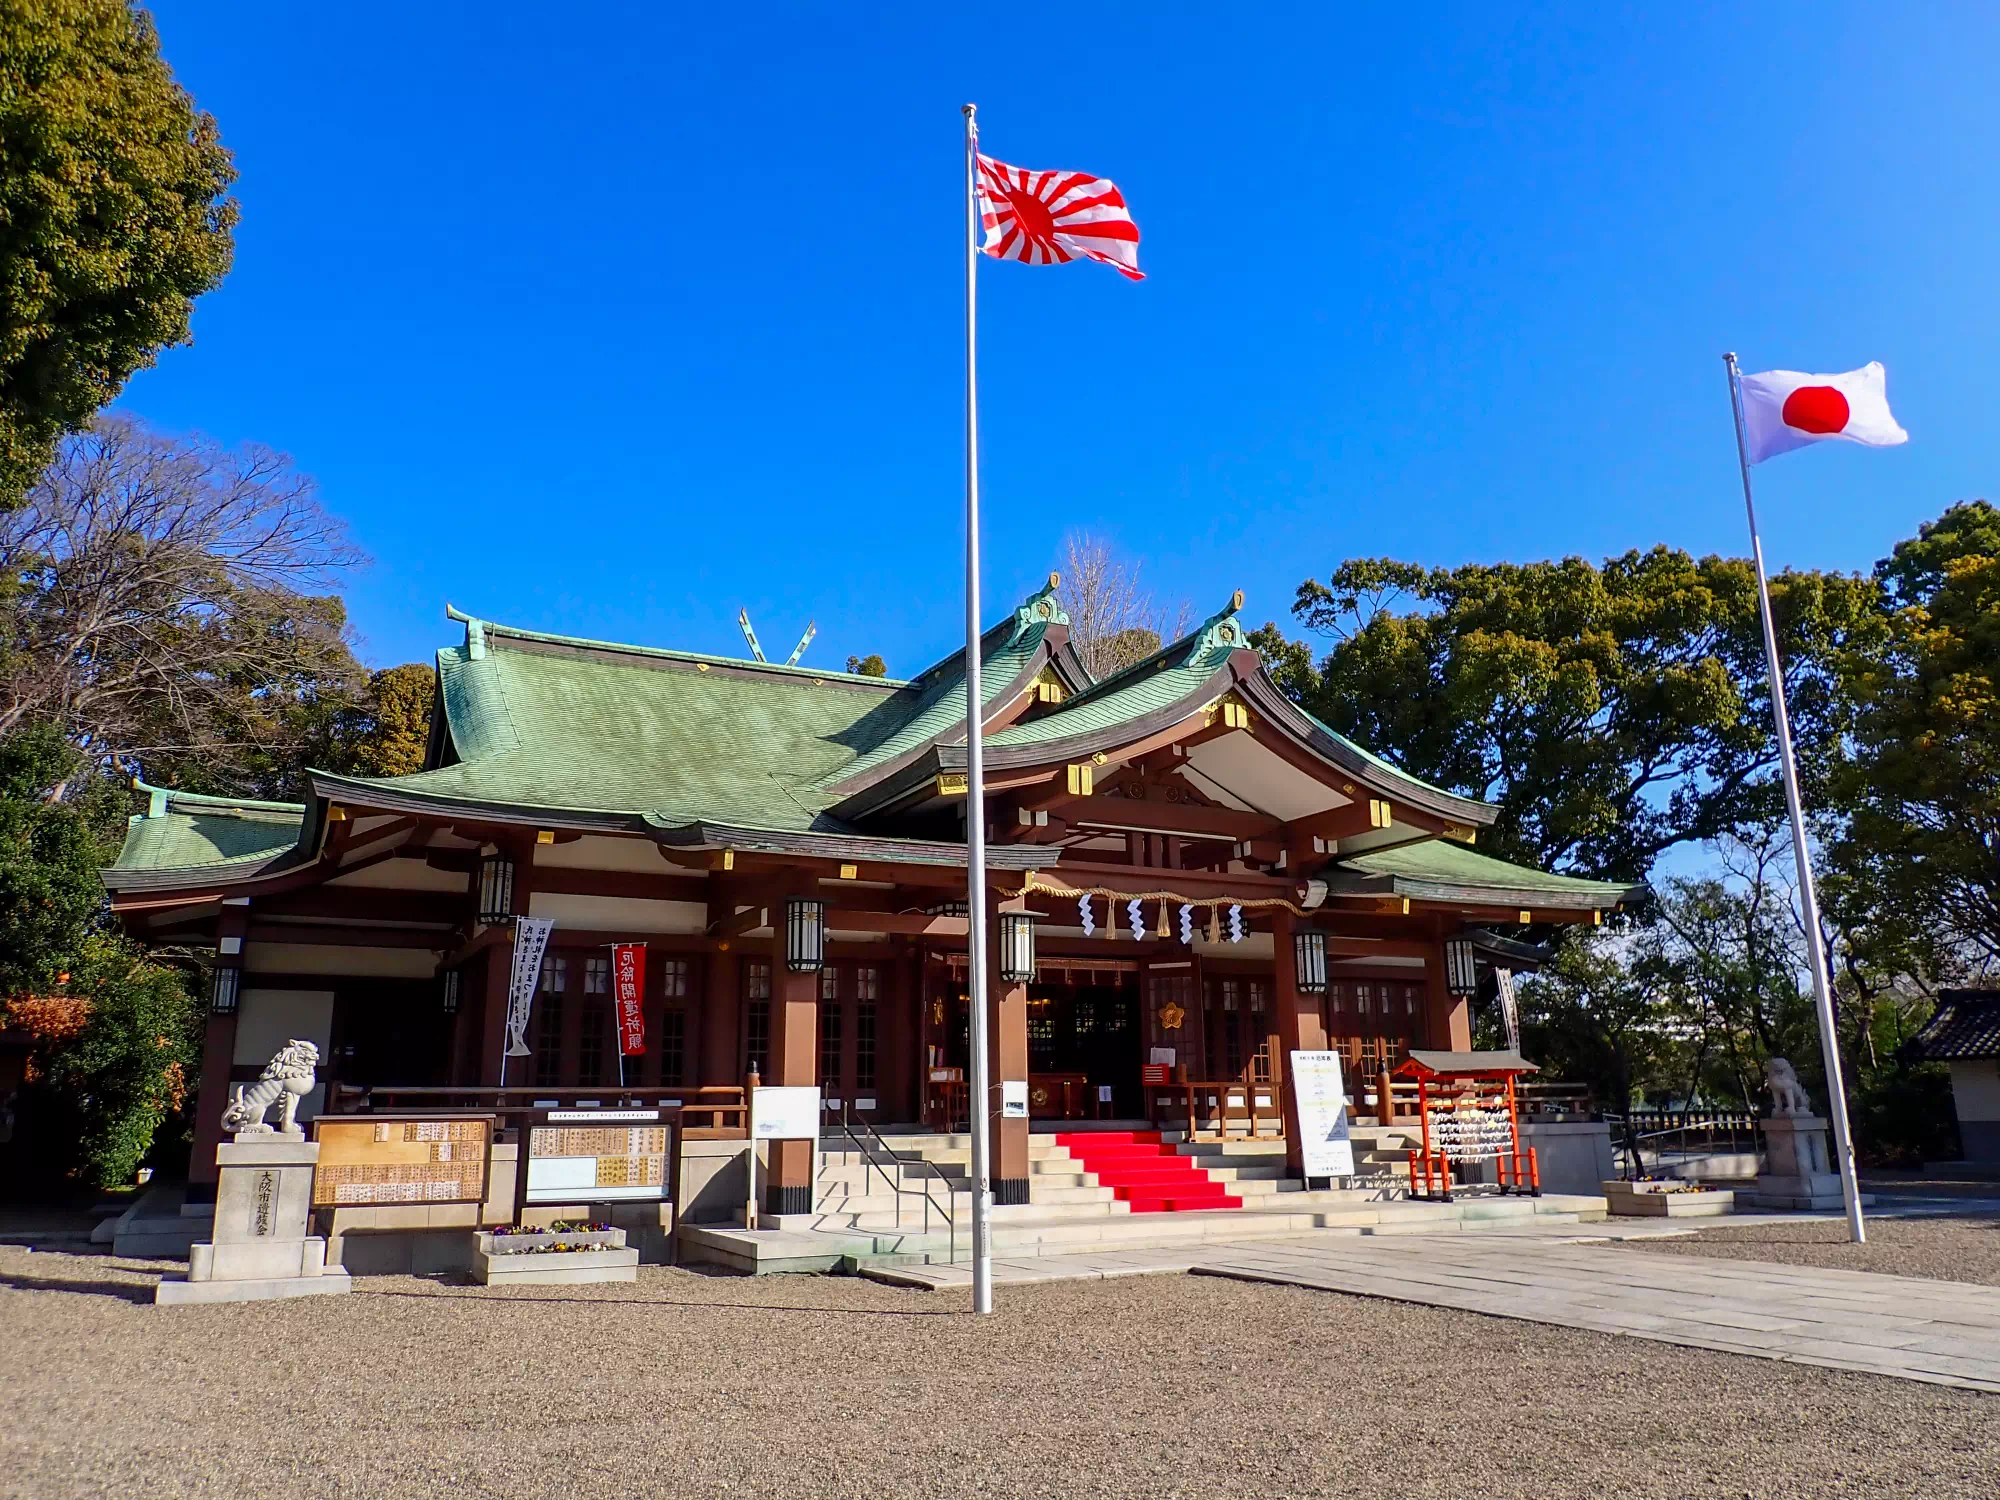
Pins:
<point x="1083" y="1039"/>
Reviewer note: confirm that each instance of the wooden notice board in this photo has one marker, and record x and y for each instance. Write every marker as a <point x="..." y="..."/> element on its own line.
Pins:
<point x="365" y="1160"/>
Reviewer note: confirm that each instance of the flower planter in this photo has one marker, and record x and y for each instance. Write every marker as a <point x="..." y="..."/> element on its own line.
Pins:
<point x="525" y="1260"/>
<point x="1667" y="1201"/>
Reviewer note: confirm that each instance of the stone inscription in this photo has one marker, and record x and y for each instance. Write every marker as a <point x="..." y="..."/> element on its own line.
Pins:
<point x="264" y="1204"/>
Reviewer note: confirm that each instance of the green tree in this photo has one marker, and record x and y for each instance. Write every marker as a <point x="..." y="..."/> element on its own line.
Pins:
<point x="115" y="1066"/>
<point x="49" y="857"/>
<point x="1917" y="867"/>
<point x="1611" y="712"/>
<point x="867" y="666"/>
<point x="112" y="216"/>
<point x="105" y="1092"/>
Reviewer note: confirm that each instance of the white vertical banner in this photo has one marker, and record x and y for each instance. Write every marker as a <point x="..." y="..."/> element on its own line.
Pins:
<point x="531" y="937"/>
<point x="1510" y="1010"/>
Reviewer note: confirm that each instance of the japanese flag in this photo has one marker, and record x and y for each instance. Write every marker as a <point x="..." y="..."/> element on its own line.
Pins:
<point x="1783" y="410"/>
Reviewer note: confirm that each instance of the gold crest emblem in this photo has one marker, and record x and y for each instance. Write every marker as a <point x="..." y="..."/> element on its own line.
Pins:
<point x="1171" y="1016"/>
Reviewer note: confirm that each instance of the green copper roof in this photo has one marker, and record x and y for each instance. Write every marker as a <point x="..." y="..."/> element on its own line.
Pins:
<point x="1440" y="869"/>
<point x="1160" y="681"/>
<point x="194" y="831"/>
<point x="546" y="722"/>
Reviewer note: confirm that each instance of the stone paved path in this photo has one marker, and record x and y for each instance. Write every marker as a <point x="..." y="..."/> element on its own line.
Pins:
<point x="1944" y="1332"/>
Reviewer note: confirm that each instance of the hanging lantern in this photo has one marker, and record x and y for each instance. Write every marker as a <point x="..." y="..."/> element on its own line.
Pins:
<point x="451" y="992"/>
<point x="1309" y="961"/>
<point x="496" y="888"/>
<point x="222" y="996"/>
<point x="805" y="936"/>
<point x="1461" y="966"/>
<point x="1017" y="946"/>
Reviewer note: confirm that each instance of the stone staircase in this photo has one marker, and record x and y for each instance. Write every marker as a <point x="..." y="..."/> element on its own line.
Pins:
<point x="870" y="1208"/>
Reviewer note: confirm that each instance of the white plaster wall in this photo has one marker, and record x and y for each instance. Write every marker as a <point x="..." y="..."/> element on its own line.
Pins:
<point x="618" y="913"/>
<point x="341" y="962"/>
<point x="595" y="852"/>
<point x="1975" y="1087"/>
<point x="405" y="875"/>
<point x="267" y="1019"/>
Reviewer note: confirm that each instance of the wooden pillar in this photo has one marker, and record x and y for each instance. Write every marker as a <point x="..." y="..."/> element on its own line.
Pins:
<point x="1447" y="1017"/>
<point x="500" y="974"/>
<point x="897" y="1044"/>
<point x="218" y="1054"/>
<point x="718" y="1058"/>
<point x="794" y="1063"/>
<point x="1007" y="1042"/>
<point x="1299" y="1029"/>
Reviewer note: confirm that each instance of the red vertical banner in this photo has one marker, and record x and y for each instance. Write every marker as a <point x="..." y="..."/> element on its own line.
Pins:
<point x="628" y="989"/>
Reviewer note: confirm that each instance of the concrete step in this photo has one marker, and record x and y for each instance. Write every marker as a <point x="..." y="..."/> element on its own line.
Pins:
<point x="1030" y="1230"/>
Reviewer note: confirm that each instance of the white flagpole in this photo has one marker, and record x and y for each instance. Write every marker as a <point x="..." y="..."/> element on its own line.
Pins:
<point x="975" y="759"/>
<point x="1829" y="1040"/>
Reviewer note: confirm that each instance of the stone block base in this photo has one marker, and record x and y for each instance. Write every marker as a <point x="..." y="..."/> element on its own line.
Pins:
<point x="174" y="1291"/>
<point x="1638" y="1202"/>
<point x="564" y="1268"/>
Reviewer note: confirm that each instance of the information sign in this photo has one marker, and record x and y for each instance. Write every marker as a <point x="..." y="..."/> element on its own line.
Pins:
<point x="597" y="1156"/>
<point x="1013" y="1098"/>
<point x="1324" y="1145"/>
<point x="365" y="1161"/>
<point x="784" y="1114"/>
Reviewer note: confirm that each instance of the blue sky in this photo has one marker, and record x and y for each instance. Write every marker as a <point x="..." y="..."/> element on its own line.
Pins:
<point x="611" y="321"/>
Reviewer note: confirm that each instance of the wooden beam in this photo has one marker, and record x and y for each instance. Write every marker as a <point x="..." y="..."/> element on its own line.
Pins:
<point x="908" y="923"/>
<point x="323" y="935"/>
<point x="367" y="903"/>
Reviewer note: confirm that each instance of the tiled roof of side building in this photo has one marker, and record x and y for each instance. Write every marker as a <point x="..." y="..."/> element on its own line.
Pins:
<point x="1443" y="870"/>
<point x="183" y="831"/>
<point x="1965" y="1026"/>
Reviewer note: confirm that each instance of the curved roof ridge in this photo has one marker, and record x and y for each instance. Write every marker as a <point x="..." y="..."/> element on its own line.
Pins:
<point x="490" y="628"/>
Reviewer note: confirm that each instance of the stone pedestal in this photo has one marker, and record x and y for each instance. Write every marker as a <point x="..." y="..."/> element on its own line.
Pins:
<point x="1799" y="1171"/>
<point x="260" y="1247"/>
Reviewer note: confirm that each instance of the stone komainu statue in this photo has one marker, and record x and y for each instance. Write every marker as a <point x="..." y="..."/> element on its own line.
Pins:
<point x="1788" y="1095"/>
<point x="286" y="1079"/>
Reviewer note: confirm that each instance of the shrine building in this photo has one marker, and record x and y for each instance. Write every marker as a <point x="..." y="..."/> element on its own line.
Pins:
<point x="1188" y="878"/>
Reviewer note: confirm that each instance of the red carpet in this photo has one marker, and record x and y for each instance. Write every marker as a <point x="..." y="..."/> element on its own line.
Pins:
<point x="1152" y="1177"/>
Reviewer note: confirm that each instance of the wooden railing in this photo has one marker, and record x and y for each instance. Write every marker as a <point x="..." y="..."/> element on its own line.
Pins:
<point x="1223" y="1106"/>
<point x="711" y="1113"/>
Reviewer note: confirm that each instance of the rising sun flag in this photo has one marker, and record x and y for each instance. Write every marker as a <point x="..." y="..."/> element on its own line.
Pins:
<point x="1047" y="218"/>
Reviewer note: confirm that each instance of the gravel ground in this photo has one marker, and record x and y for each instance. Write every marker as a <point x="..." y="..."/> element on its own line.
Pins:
<point x="1942" y="1249"/>
<point x="686" y="1384"/>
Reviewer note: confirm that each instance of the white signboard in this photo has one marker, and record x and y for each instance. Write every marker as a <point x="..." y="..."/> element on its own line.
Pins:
<point x="784" y="1114"/>
<point x="1322" y="1101"/>
<point x="1013" y="1098"/>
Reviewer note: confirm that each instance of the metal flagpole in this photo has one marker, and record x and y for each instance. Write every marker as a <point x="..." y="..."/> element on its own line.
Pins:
<point x="1829" y="1040"/>
<point x="975" y="759"/>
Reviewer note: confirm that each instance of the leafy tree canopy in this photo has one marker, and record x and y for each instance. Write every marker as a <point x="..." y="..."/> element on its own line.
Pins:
<point x="867" y="666"/>
<point x="112" y="217"/>
<point x="1610" y="711"/>
<point x="1921" y="852"/>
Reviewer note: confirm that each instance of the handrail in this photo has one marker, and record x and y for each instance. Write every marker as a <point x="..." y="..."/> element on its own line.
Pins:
<point x="848" y="1122"/>
<point x="713" y="1100"/>
<point x="1729" y="1125"/>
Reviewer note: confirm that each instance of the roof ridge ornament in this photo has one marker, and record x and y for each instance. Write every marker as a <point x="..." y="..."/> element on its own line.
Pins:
<point x="1221" y="631"/>
<point x="475" y="632"/>
<point x="1041" y="608"/>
